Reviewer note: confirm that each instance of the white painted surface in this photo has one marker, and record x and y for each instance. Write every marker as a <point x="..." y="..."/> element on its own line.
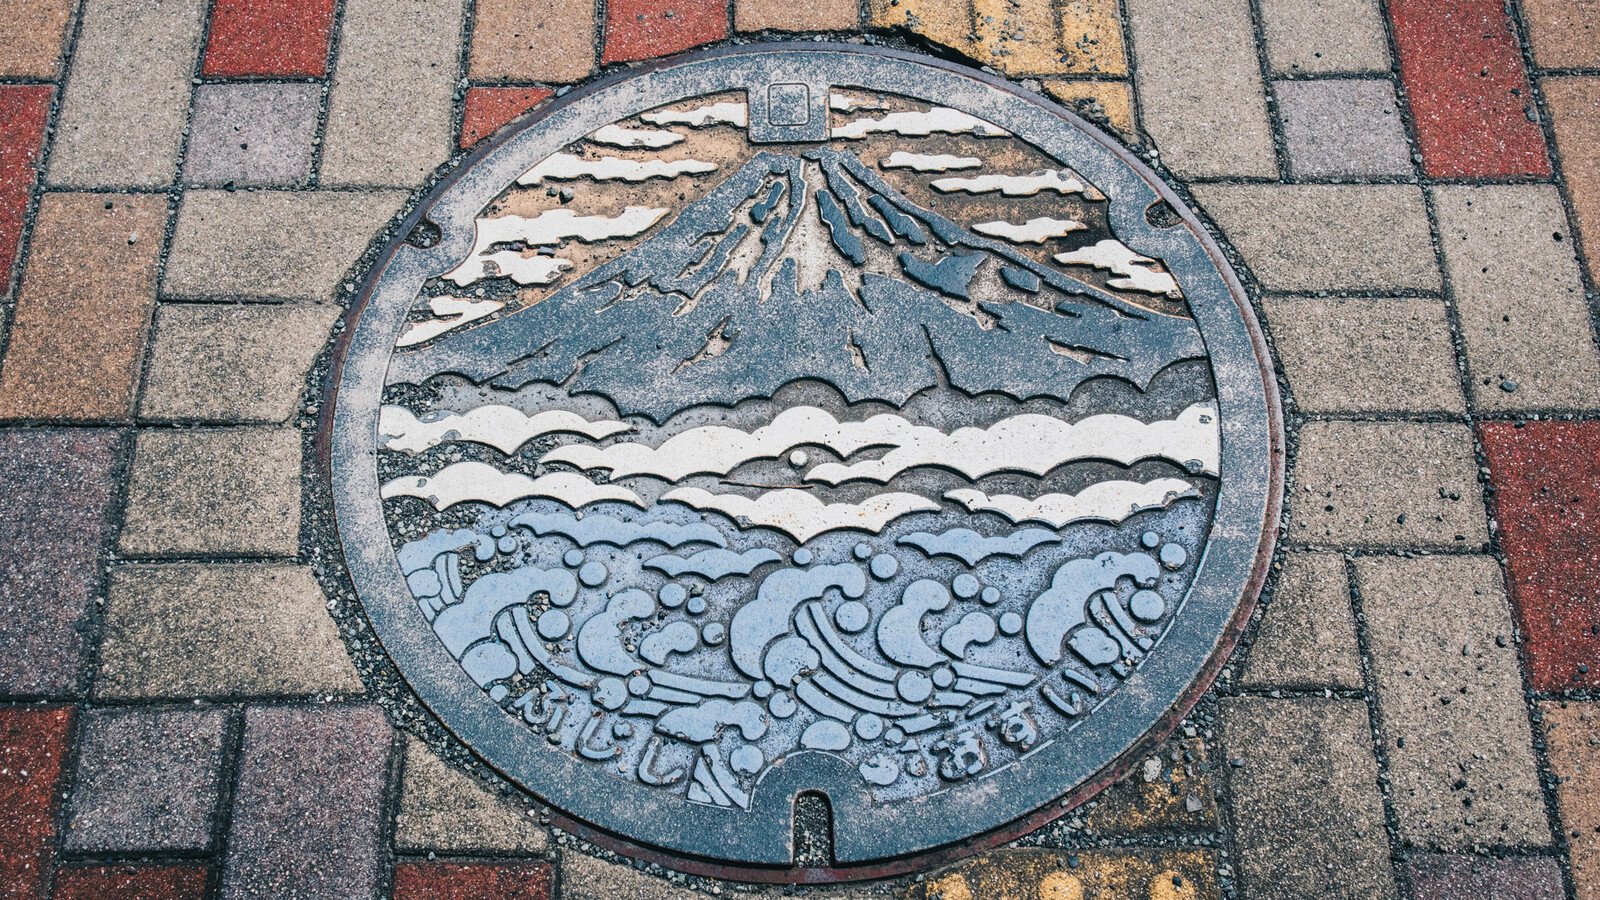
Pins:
<point x="464" y="482"/>
<point x="566" y="167"/>
<point x="616" y="136"/>
<point x="1107" y="501"/>
<point x="929" y="162"/>
<point x="452" y="313"/>
<point x="1033" y="231"/>
<point x="501" y="427"/>
<point x="731" y="113"/>
<point x="1063" y="181"/>
<point x="801" y="515"/>
<point x="938" y="120"/>
<point x="1134" y="271"/>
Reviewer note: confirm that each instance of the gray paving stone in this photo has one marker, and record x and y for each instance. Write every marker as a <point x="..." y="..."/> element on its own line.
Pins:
<point x="1307" y="638"/>
<point x="1318" y="36"/>
<point x="1199" y="83"/>
<point x="1342" y="127"/>
<point x="272" y="244"/>
<point x="220" y="630"/>
<point x="127" y="93"/>
<point x="323" y="770"/>
<point x="231" y="491"/>
<point x="146" y="780"/>
<point x="1459" y="747"/>
<point x="56" y="488"/>
<point x="1327" y="237"/>
<point x="1358" y="355"/>
<point x="1307" y="815"/>
<point x="1397" y="484"/>
<point x="1441" y="876"/>
<point x="585" y="878"/>
<point x="237" y="363"/>
<point x="443" y="809"/>
<point x="252" y="134"/>
<point x="391" y="113"/>
<point x="1523" y="315"/>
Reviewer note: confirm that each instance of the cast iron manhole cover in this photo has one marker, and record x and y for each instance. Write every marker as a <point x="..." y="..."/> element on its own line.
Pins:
<point x="797" y="421"/>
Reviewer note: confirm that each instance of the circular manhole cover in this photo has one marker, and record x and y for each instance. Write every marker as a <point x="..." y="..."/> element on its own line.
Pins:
<point x="801" y="422"/>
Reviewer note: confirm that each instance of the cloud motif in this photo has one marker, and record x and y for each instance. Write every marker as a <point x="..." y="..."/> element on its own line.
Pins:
<point x="972" y="548"/>
<point x="713" y="564"/>
<point x="547" y="229"/>
<point x="802" y="516"/>
<point x="504" y="428"/>
<point x="566" y="167"/>
<point x="1106" y="501"/>
<point x="729" y="113"/>
<point x="1064" y="181"/>
<point x="599" y="529"/>
<point x="938" y="120"/>
<point x="450" y="313"/>
<point x="464" y="482"/>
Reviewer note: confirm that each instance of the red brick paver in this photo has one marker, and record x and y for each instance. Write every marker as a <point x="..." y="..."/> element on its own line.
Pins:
<point x="131" y="883"/>
<point x="269" y="37"/>
<point x="24" y="109"/>
<point x="641" y="29"/>
<point x="489" y="108"/>
<point x="472" y="881"/>
<point x="33" y="741"/>
<point x="1547" y="485"/>
<point x="1469" y="90"/>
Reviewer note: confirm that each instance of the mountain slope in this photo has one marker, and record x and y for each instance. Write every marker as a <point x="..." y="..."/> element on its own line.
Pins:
<point x="812" y="266"/>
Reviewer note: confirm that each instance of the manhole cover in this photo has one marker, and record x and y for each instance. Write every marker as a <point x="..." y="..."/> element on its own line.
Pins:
<point x="804" y="423"/>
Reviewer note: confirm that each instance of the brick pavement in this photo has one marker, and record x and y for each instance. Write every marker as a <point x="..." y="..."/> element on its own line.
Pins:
<point x="1413" y="187"/>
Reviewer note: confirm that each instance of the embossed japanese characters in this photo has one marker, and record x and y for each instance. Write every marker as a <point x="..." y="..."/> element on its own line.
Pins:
<point x="803" y="420"/>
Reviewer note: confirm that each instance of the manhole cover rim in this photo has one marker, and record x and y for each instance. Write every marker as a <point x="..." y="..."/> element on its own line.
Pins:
<point x="868" y="842"/>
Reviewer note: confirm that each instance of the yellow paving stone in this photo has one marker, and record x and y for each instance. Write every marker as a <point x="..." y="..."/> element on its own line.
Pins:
<point x="1030" y="874"/>
<point x="940" y="21"/>
<point x="1101" y="102"/>
<point x="1044" y="37"/>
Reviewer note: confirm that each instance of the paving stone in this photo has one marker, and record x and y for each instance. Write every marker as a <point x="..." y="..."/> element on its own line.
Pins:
<point x="1342" y="127"/>
<point x="1547" y="501"/>
<point x="443" y="809"/>
<point x="226" y="491"/>
<point x="1041" y="37"/>
<point x="1307" y="815"/>
<point x="219" y="630"/>
<point x="1020" y="874"/>
<point x="244" y="363"/>
<point x="1565" y="34"/>
<point x="391" y="111"/>
<point x="939" y="21"/>
<point x="488" y="109"/>
<point x="1200" y="91"/>
<point x="130" y="883"/>
<point x="533" y="40"/>
<point x="127" y="96"/>
<point x="269" y="38"/>
<point x="1572" y="738"/>
<point x="24" y="110"/>
<point x="472" y="881"/>
<point x="1169" y="790"/>
<point x="84" y="307"/>
<point x="1360" y="355"/>
<point x="1327" y="237"/>
<point x="1439" y="876"/>
<point x="146" y="780"/>
<point x="33" y="40"/>
<point x="1307" y="638"/>
<point x="33" y="745"/>
<point x="1574" y="105"/>
<point x="1519" y="297"/>
<point x="1106" y="103"/>
<point x="1456" y="734"/>
<point x="56" y="488"/>
<point x="252" y="134"/>
<point x="1363" y="484"/>
<point x="1462" y="67"/>
<point x="293" y="762"/>
<point x="272" y="244"/>
<point x="643" y="29"/>
<point x="781" y="15"/>
<point x="1314" y="37"/>
<point x="584" y="877"/>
